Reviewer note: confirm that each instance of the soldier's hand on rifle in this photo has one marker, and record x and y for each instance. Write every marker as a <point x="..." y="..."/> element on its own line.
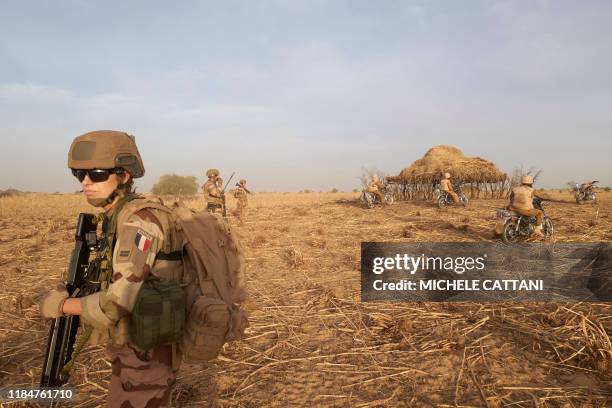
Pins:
<point x="51" y="305"/>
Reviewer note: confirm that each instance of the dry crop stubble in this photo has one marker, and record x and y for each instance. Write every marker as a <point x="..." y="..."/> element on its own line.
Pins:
<point x="311" y="340"/>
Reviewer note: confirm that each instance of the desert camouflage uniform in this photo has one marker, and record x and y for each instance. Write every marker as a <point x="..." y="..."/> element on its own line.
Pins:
<point x="212" y="194"/>
<point x="143" y="240"/>
<point x="240" y="194"/>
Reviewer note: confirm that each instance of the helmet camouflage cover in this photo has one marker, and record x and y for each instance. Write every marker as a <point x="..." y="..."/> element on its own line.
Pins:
<point x="242" y="181"/>
<point x="527" y="180"/>
<point x="106" y="149"/>
<point x="212" y="172"/>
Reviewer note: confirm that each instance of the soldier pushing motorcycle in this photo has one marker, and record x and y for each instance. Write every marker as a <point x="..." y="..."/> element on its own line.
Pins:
<point x="376" y="191"/>
<point x="584" y="192"/>
<point x="449" y="193"/>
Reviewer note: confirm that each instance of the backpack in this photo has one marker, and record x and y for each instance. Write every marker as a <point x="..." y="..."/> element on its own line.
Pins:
<point x="212" y="282"/>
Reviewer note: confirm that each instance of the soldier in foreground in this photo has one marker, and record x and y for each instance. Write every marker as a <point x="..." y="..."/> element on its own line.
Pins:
<point x="105" y="163"/>
<point x="240" y="194"/>
<point x="447" y="186"/>
<point x="521" y="201"/>
<point x="212" y="190"/>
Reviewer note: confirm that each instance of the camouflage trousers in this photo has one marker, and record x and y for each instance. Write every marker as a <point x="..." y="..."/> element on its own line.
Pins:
<point x="139" y="379"/>
<point x="454" y="196"/>
<point x="241" y="209"/>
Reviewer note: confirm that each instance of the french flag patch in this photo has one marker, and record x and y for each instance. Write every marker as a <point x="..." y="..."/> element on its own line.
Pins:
<point x="142" y="241"/>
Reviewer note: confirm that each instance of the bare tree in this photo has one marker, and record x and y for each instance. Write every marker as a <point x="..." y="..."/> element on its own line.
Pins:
<point x="366" y="175"/>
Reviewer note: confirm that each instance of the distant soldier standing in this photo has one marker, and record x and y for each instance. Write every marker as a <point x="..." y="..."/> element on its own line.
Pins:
<point x="213" y="189"/>
<point x="139" y="240"/>
<point x="240" y="194"/>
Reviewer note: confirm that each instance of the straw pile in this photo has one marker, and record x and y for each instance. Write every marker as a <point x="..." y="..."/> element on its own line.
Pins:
<point x="418" y="180"/>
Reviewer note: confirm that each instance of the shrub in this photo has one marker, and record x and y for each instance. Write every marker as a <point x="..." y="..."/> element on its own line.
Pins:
<point x="334" y="190"/>
<point x="172" y="184"/>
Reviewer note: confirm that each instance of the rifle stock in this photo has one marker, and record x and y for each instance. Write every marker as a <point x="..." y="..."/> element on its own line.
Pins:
<point x="81" y="280"/>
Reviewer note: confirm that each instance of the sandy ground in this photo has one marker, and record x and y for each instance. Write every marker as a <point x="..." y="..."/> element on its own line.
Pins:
<point x="311" y="341"/>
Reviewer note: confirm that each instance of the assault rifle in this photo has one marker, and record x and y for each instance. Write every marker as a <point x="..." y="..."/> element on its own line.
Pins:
<point x="245" y="189"/>
<point x="223" y="194"/>
<point x="83" y="278"/>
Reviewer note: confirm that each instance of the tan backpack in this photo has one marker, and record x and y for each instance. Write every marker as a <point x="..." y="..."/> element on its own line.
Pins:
<point x="212" y="278"/>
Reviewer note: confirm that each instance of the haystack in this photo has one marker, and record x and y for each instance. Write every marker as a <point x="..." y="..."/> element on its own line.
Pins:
<point x="419" y="179"/>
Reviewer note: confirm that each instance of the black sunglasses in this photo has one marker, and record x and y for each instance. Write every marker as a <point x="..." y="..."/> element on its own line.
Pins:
<point x="96" y="175"/>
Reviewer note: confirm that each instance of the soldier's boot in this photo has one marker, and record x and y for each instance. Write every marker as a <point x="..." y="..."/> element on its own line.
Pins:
<point x="538" y="231"/>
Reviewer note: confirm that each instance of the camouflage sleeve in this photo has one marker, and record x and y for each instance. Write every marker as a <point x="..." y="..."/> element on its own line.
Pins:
<point x="137" y="241"/>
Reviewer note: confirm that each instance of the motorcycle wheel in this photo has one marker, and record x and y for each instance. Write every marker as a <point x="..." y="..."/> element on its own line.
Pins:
<point x="389" y="198"/>
<point x="464" y="201"/>
<point x="547" y="228"/>
<point x="578" y="200"/>
<point x="509" y="234"/>
<point x="368" y="200"/>
<point x="442" y="202"/>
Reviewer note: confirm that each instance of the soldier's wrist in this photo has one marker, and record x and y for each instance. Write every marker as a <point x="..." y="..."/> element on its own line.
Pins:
<point x="60" y="307"/>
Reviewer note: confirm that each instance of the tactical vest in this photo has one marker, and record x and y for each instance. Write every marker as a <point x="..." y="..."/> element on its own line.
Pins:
<point x="209" y="198"/>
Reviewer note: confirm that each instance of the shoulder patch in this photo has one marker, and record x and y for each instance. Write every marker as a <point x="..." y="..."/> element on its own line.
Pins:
<point x="147" y="214"/>
<point x="143" y="241"/>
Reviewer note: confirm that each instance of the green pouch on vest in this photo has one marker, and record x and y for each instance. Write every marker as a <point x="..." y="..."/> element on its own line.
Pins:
<point x="158" y="316"/>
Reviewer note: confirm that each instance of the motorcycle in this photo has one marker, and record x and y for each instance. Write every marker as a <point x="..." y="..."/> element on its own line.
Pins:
<point x="516" y="226"/>
<point x="584" y="195"/>
<point x="444" y="199"/>
<point x="369" y="199"/>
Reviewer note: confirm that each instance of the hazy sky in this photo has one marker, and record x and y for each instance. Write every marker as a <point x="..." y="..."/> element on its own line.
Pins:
<point x="303" y="94"/>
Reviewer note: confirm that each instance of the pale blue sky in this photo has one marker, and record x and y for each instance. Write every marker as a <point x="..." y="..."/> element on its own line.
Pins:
<point x="303" y="94"/>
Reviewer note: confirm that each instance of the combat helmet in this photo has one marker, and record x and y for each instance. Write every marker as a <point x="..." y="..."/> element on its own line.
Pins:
<point x="106" y="149"/>
<point x="212" y="173"/>
<point x="242" y="181"/>
<point x="527" y="180"/>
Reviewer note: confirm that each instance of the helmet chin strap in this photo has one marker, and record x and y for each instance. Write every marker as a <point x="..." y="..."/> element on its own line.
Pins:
<point x="101" y="202"/>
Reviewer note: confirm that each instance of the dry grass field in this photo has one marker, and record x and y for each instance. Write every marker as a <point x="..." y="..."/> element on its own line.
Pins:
<point x="311" y="341"/>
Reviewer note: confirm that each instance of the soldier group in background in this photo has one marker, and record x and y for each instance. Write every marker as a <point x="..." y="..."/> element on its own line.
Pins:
<point x="215" y="197"/>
